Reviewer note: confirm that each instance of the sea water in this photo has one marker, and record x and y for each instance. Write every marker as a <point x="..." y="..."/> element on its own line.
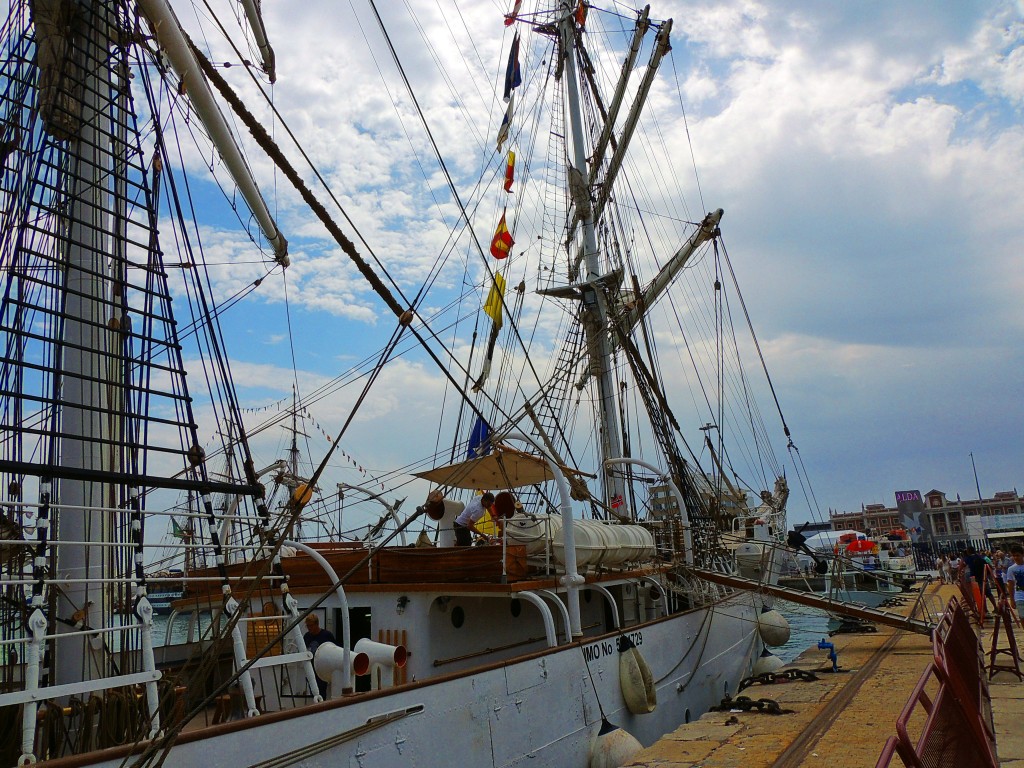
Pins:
<point x="179" y="629"/>
<point x="807" y="626"/>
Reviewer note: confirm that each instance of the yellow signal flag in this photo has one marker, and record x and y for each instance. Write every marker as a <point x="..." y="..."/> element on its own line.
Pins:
<point x="493" y="304"/>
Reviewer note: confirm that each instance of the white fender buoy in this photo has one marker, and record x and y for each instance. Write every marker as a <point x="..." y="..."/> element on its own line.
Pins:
<point x="773" y="627"/>
<point x="613" y="747"/>
<point x="635" y="679"/>
<point x="768" y="662"/>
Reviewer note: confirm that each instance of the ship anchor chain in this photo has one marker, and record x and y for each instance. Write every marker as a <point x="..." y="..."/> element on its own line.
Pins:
<point x="747" y="704"/>
<point x="853" y="627"/>
<point x="768" y="678"/>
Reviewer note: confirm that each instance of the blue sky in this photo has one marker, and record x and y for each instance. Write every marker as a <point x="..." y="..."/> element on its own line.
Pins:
<point x="868" y="157"/>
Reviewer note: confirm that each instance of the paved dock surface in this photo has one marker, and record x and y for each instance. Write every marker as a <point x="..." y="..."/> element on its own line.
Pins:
<point x="842" y="719"/>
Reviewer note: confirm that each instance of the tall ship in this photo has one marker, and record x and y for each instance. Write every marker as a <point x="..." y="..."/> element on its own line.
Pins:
<point x="587" y="377"/>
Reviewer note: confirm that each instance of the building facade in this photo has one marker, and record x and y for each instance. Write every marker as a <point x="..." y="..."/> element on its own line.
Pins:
<point x="872" y="520"/>
<point x="663" y="502"/>
<point x="944" y="522"/>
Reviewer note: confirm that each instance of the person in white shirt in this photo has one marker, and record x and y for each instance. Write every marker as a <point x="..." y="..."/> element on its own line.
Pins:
<point x="465" y="523"/>
<point x="1015" y="577"/>
<point x="1000" y="563"/>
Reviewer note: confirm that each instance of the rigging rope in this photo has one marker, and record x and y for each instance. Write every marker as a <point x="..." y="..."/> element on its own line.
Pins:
<point x="405" y="317"/>
<point x="274" y="152"/>
<point x="753" y="335"/>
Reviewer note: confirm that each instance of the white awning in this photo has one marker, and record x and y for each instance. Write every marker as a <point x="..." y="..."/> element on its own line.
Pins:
<point x="1006" y="535"/>
<point x="502" y="468"/>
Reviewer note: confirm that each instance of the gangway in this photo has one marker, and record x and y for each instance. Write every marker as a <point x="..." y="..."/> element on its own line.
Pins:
<point x="845" y="608"/>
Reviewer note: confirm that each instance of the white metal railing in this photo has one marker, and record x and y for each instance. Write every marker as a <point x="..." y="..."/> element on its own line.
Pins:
<point x="73" y="633"/>
<point x="32" y="693"/>
<point x="130" y="582"/>
<point x="13" y="506"/>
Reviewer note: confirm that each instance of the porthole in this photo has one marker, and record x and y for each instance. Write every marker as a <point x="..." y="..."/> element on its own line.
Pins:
<point x="516" y="607"/>
<point x="458" y="616"/>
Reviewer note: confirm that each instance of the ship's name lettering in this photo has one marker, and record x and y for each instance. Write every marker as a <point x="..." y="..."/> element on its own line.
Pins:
<point x="595" y="651"/>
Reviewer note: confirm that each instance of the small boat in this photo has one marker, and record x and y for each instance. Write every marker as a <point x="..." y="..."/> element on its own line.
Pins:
<point x="896" y="556"/>
<point x="856" y="567"/>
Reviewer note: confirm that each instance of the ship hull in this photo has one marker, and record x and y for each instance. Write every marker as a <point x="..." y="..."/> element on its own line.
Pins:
<point x="544" y="709"/>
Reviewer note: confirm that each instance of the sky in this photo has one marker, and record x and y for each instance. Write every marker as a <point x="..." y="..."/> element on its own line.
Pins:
<point x="868" y="156"/>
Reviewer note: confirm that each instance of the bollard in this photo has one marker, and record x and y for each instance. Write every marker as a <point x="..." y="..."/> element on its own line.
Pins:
<point x="832" y="655"/>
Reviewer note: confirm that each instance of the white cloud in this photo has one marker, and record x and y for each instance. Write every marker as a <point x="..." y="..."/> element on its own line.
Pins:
<point x="869" y="165"/>
<point x="993" y="58"/>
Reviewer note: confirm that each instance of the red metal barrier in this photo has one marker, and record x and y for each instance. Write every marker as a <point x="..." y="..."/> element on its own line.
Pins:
<point x="959" y="656"/>
<point x="889" y="751"/>
<point x="929" y="730"/>
<point x="958" y="653"/>
<point x="948" y="720"/>
<point x="978" y="596"/>
<point x="967" y="586"/>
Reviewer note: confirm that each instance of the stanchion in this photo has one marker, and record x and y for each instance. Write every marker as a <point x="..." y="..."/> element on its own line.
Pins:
<point x="1004" y="619"/>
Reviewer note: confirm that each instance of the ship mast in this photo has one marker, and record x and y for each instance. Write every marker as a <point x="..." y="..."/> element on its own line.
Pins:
<point x="595" y="309"/>
<point x="84" y="449"/>
<point x="81" y="215"/>
<point x="603" y="310"/>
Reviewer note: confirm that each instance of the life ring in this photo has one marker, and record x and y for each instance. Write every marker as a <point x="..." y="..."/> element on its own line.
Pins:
<point x="635" y="679"/>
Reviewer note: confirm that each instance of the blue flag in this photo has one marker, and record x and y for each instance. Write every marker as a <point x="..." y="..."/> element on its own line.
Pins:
<point x="513" y="77"/>
<point x="506" y="123"/>
<point x="479" y="439"/>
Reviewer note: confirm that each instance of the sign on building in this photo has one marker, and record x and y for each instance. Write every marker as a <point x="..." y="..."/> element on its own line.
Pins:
<point x="912" y="517"/>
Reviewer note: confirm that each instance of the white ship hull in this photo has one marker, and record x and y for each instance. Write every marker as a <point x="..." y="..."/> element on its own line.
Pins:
<point x="543" y="709"/>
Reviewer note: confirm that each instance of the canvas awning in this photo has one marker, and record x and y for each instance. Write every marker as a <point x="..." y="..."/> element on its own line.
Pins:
<point x="1006" y="535"/>
<point x="504" y="467"/>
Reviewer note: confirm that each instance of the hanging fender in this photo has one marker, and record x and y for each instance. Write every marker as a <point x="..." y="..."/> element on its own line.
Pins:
<point x="613" y="746"/>
<point x="635" y="679"/>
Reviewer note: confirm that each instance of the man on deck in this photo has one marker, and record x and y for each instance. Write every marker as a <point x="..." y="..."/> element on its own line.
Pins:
<point x="465" y="524"/>
<point x="315" y="637"/>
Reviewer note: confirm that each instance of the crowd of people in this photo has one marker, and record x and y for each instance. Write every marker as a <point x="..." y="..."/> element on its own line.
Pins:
<point x="1007" y="570"/>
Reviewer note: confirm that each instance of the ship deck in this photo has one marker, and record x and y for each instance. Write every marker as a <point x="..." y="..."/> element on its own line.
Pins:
<point x="452" y="570"/>
<point x="839" y="719"/>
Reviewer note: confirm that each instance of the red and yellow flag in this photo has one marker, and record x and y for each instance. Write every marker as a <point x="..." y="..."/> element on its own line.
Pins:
<point x="502" y="241"/>
<point x="510" y="170"/>
<point x="510" y="18"/>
